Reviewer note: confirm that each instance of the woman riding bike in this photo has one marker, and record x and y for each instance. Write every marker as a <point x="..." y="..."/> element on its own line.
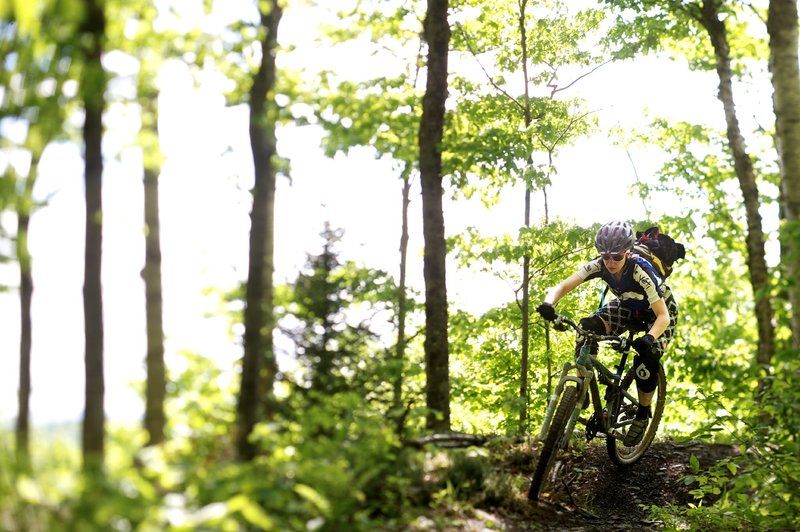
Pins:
<point x="640" y="296"/>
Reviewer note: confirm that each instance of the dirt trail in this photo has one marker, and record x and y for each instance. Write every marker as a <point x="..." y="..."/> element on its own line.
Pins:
<point x="600" y="496"/>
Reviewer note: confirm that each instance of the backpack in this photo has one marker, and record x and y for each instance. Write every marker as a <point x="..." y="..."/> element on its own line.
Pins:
<point x="658" y="249"/>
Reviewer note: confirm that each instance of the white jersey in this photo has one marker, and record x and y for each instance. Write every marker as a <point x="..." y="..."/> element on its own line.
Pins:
<point x="639" y="286"/>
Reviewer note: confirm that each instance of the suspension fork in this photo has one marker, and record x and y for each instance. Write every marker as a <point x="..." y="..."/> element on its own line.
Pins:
<point x="566" y="376"/>
<point x="587" y="381"/>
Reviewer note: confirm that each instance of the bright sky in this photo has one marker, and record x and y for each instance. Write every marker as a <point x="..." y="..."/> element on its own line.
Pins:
<point x="205" y="206"/>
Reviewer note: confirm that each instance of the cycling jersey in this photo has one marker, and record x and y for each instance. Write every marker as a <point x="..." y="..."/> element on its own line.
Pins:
<point x="639" y="286"/>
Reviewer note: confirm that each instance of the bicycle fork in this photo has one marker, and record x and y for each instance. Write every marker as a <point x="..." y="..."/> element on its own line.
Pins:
<point x="566" y="377"/>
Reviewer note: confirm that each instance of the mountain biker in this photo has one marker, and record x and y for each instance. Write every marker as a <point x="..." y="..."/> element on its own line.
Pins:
<point x="641" y="297"/>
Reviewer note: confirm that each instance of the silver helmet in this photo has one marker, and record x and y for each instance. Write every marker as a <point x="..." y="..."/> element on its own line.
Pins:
<point x="614" y="237"/>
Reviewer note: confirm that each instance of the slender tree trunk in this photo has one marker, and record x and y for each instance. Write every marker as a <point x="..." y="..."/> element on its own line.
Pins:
<point x="24" y="208"/>
<point x="93" y="94"/>
<point x="524" y="366"/>
<point x="258" y="362"/>
<point x="437" y="388"/>
<point x="49" y="124"/>
<point x="756" y="256"/>
<point x="156" y="385"/>
<point x="782" y="24"/>
<point x="397" y="403"/>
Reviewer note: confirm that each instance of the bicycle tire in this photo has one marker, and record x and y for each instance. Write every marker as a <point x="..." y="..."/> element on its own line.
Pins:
<point x="552" y="442"/>
<point x="625" y="456"/>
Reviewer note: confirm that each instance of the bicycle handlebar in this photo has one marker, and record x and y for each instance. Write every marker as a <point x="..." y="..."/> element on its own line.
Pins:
<point x="561" y="320"/>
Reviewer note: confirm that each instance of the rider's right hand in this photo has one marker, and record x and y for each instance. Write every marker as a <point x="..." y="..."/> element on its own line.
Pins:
<point x="546" y="311"/>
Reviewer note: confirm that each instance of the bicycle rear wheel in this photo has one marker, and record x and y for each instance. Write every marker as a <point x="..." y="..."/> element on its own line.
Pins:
<point x="619" y="453"/>
<point x="553" y="440"/>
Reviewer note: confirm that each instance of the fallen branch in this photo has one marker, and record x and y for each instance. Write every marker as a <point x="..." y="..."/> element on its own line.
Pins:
<point x="450" y="440"/>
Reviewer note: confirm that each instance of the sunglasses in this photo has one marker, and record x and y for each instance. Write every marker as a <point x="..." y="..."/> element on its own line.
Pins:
<point x="616" y="257"/>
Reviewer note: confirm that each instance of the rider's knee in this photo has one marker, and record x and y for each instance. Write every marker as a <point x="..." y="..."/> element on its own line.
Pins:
<point x="594" y="324"/>
<point x="646" y="372"/>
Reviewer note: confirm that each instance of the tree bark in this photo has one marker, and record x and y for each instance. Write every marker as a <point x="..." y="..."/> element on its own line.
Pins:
<point x="24" y="208"/>
<point x="156" y="385"/>
<point x="93" y="94"/>
<point x="743" y="166"/>
<point x="437" y="388"/>
<point x="524" y="365"/>
<point x="49" y="124"/>
<point x="397" y="402"/>
<point x="258" y="362"/>
<point x="782" y="24"/>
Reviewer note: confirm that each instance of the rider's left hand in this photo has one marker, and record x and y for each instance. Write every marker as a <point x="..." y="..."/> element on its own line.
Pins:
<point x="547" y="311"/>
<point x="644" y="344"/>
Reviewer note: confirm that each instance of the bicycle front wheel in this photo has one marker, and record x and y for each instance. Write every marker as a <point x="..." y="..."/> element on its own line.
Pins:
<point x="553" y="440"/>
<point x="619" y="453"/>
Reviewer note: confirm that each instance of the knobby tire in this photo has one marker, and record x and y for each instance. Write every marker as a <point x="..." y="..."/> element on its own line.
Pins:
<point x="552" y="442"/>
<point x="622" y="455"/>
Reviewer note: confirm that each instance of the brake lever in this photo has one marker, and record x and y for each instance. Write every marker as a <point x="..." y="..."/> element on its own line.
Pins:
<point x="559" y="324"/>
<point x="623" y="343"/>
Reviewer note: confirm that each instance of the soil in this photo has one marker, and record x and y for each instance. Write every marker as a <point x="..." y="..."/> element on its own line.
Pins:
<point x="597" y="495"/>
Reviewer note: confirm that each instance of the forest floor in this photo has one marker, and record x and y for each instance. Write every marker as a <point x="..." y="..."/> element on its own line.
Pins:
<point x="597" y="495"/>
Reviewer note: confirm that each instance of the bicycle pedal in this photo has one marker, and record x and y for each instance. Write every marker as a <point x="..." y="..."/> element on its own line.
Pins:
<point x="592" y="428"/>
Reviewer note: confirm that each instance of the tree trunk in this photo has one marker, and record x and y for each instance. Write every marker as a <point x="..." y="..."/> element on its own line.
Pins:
<point x="400" y="348"/>
<point x="756" y="258"/>
<point x="783" y="42"/>
<point x="93" y="94"/>
<point x="24" y="208"/>
<point x="401" y="303"/>
<point x="524" y="365"/>
<point x="258" y="362"/>
<point x="49" y="124"/>
<point x="156" y="385"/>
<point x="437" y="388"/>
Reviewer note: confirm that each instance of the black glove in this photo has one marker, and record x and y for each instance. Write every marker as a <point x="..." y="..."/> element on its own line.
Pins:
<point x="547" y="311"/>
<point x="644" y="345"/>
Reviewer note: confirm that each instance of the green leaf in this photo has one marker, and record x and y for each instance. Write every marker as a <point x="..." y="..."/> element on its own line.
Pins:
<point x="314" y="497"/>
<point x="694" y="463"/>
<point x="251" y="511"/>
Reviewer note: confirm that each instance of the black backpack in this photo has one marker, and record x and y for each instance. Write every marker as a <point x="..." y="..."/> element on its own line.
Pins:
<point x="658" y="249"/>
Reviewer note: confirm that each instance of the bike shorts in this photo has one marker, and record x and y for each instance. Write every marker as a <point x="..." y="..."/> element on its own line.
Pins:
<point x="621" y="318"/>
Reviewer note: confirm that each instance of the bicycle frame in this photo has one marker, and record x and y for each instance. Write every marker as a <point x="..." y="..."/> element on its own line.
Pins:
<point x="587" y="382"/>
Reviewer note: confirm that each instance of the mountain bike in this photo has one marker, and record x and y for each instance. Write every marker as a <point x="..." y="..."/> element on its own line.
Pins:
<point x="611" y="416"/>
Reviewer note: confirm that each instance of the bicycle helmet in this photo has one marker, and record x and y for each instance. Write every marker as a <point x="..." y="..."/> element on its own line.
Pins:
<point x="615" y="237"/>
